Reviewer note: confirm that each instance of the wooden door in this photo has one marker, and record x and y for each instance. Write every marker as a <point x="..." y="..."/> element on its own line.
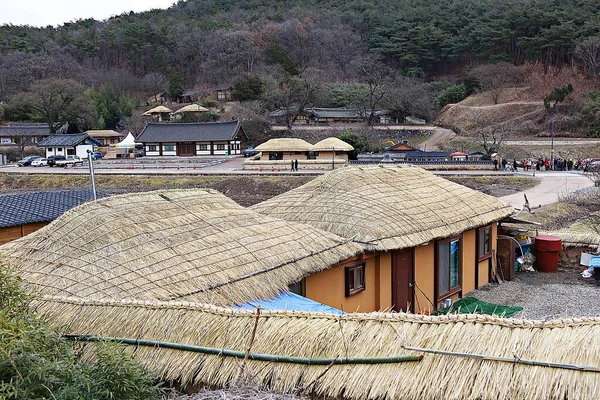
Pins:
<point x="186" y="149"/>
<point x="402" y="280"/>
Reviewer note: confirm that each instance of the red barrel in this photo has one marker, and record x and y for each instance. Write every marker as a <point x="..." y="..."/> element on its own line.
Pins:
<point x="547" y="249"/>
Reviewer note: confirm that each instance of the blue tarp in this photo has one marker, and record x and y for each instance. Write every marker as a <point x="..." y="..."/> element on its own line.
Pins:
<point x="289" y="302"/>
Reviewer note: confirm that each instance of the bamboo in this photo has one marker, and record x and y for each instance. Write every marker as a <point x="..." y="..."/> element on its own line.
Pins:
<point x="515" y="360"/>
<point x="242" y="354"/>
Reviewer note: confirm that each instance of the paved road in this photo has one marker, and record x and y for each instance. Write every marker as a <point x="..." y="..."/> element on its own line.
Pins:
<point x="553" y="185"/>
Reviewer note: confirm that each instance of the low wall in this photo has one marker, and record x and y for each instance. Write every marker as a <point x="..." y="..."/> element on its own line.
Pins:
<point x="285" y="165"/>
<point x="571" y="256"/>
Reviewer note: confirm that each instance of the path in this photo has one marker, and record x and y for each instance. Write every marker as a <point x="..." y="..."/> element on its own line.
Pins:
<point x="553" y="185"/>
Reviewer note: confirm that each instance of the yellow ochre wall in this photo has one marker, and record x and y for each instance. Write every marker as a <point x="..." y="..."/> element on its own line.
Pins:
<point x="424" y="261"/>
<point x="328" y="287"/>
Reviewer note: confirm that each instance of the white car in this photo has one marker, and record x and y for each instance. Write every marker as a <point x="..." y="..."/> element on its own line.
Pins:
<point x="39" y="162"/>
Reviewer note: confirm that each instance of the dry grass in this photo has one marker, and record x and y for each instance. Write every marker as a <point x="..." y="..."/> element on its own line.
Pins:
<point x="284" y="144"/>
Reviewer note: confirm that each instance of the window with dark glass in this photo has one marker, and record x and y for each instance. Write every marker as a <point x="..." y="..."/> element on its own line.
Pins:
<point x="484" y="249"/>
<point x="202" y="147"/>
<point x="220" y="146"/>
<point x="448" y="266"/>
<point x="152" y="147"/>
<point x="298" y="288"/>
<point x="355" y="279"/>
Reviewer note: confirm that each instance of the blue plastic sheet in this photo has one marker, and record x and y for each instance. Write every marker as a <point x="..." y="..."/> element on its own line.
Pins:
<point x="288" y="301"/>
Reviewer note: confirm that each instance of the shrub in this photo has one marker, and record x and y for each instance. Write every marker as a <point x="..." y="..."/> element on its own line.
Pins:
<point x="450" y="95"/>
<point x="37" y="363"/>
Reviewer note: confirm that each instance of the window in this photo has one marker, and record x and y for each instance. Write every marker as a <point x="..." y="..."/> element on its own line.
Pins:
<point x="220" y="146"/>
<point x="49" y="149"/>
<point x="59" y="149"/>
<point x="448" y="267"/>
<point x="298" y="288"/>
<point x="203" y="147"/>
<point x="152" y="147"/>
<point x="169" y="147"/>
<point x="355" y="279"/>
<point x="483" y="243"/>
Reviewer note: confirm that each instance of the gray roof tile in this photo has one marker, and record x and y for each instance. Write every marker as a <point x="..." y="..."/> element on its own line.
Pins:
<point x="67" y="140"/>
<point x="32" y="207"/>
<point x="162" y="132"/>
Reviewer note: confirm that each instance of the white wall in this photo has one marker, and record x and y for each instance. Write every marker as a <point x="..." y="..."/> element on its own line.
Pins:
<point x="82" y="149"/>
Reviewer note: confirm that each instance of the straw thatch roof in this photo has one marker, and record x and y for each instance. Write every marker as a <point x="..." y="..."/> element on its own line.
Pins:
<point x="158" y="109"/>
<point x="576" y="239"/>
<point x="284" y="144"/>
<point x="353" y="335"/>
<point x="191" y="108"/>
<point x="196" y="245"/>
<point x="331" y="144"/>
<point x="392" y="207"/>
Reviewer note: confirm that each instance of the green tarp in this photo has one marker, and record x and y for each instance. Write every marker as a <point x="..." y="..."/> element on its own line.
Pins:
<point x="471" y="305"/>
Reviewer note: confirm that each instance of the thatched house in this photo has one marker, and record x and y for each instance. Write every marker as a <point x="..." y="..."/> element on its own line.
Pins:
<point x="159" y="113"/>
<point x="428" y="239"/>
<point x="192" y="139"/>
<point x="284" y="149"/>
<point x="330" y="149"/>
<point x="105" y="137"/>
<point x="194" y="245"/>
<point x="153" y="269"/>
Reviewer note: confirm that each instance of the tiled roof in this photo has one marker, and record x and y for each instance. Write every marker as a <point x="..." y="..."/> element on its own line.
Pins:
<point x="27" y="208"/>
<point x="161" y="132"/>
<point x="223" y="86"/>
<point x="67" y="140"/>
<point x="24" y="130"/>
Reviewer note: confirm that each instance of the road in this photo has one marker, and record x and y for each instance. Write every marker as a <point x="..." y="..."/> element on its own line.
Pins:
<point x="553" y="185"/>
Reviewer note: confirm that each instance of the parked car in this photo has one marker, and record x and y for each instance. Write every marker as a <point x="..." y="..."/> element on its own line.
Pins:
<point x="27" y="161"/>
<point x="39" y="162"/>
<point x="70" y="160"/>
<point x="52" y="160"/>
<point x="97" y="156"/>
<point x="250" y="152"/>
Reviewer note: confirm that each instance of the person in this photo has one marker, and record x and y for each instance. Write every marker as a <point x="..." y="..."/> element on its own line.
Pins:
<point x="495" y="164"/>
<point x="292" y="165"/>
<point x="514" y="165"/>
<point x="296" y="164"/>
<point x="504" y="162"/>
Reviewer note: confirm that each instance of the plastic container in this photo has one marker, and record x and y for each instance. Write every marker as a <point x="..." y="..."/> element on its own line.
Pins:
<point x="547" y="249"/>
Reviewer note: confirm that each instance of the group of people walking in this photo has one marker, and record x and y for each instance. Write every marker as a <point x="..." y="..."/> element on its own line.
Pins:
<point x="294" y="165"/>
<point x="541" y="164"/>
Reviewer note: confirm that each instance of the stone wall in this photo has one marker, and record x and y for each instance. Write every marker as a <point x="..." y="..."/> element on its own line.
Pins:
<point x="570" y="256"/>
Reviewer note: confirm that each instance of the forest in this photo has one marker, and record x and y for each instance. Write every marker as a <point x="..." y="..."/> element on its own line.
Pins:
<point x="302" y="53"/>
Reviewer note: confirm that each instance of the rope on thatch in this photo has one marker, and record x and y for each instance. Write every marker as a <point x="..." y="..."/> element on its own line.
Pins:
<point x="256" y="273"/>
<point x="514" y="360"/>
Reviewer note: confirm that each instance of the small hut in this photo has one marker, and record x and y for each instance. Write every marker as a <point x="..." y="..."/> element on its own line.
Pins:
<point x="331" y="148"/>
<point x="458" y="156"/>
<point x="192" y="109"/>
<point x="284" y="149"/>
<point x="160" y="113"/>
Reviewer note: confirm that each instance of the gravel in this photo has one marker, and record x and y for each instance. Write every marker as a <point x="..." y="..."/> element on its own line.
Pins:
<point x="543" y="295"/>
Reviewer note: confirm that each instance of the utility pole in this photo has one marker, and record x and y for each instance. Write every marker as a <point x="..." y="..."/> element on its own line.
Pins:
<point x="552" y="144"/>
<point x="333" y="159"/>
<point x="90" y="159"/>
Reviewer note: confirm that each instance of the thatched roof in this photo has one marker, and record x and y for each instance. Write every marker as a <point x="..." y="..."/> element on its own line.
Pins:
<point x="576" y="239"/>
<point x="331" y="144"/>
<point x="191" y="108"/>
<point x="392" y="207"/>
<point x="284" y="144"/>
<point x="103" y="133"/>
<point x="168" y="244"/>
<point x="158" y="109"/>
<point x="571" y="341"/>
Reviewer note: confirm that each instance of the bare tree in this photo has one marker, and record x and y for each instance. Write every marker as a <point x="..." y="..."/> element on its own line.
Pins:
<point x="154" y="83"/>
<point x="493" y="78"/>
<point x="492" y="138"/>
<point x="588" y="53"/>
<point x="376" y="76"/>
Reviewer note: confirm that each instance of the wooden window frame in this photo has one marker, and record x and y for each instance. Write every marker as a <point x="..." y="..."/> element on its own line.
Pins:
<point x="452" y="290"/>
<point x="202" y="147"/>
<point x="301" y="284"/>
<point x="152" y="147"/>
<point x="355" y="278"/>
<point x="484" y="256"/>
<point x="220" y="147"/>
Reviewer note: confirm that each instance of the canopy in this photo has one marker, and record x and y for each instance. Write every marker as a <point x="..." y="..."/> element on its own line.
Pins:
<point x="127" y="143"/>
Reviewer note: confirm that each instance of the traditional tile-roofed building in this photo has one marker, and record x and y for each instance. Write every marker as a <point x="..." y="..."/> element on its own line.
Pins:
<point x="23" y="213"/>
<point x="192" y="139"/>
<point x="68" y="145"/>
<point x="224" y="92"/>
<point x="24" y="133"/>
<point x="403" y="152"/>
